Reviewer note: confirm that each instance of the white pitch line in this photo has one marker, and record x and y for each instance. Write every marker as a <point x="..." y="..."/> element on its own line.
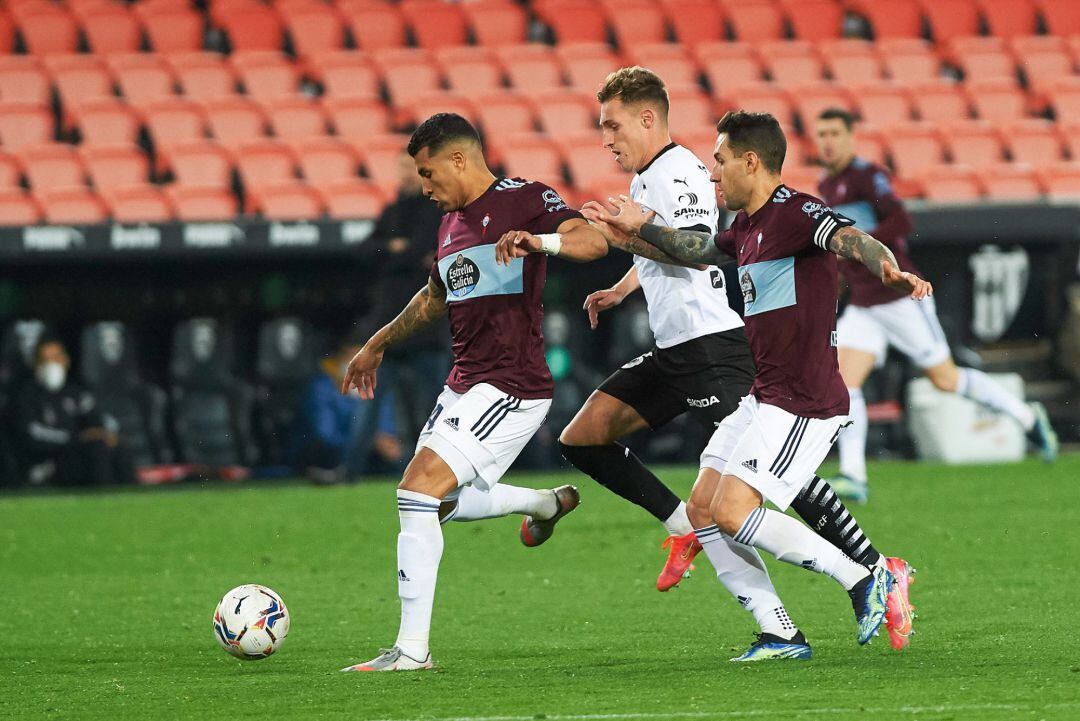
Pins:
<point x="751" y="713"/>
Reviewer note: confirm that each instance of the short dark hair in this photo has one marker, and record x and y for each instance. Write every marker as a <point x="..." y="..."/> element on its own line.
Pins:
<point x="635" y="85"/>
<point x="759" y="132"/>
<point x="838" y="114"/>
<point x="440" y="129"/>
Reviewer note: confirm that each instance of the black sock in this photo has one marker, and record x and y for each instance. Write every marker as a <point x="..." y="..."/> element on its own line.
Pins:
<point x="616" y="468"/>
<point x="824" y="512"/>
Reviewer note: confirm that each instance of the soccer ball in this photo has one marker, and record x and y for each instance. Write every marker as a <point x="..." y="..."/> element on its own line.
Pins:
<point x="251" y="622"/>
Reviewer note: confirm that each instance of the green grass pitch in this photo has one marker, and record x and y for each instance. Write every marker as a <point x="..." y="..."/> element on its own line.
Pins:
<point x="107" y="599"/>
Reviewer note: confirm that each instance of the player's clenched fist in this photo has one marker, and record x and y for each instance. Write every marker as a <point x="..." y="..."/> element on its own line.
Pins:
<point x="515" y="244"/>
<point x="361" y="373"/>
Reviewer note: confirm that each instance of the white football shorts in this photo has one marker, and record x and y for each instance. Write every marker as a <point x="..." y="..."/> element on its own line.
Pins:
<point x="479" y="433"/>
<point x="910" y="326"/>
<point x="773" y="451"/>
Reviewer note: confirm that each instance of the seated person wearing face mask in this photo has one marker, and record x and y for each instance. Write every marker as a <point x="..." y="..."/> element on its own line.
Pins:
<point x="341" y="437"/>
<point x="59" y="436"/>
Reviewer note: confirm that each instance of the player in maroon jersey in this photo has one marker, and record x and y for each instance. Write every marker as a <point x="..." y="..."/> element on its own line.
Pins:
<point x="785" y="243"/>
<point x="877" y="317"/>
<point x="499" y="390"/>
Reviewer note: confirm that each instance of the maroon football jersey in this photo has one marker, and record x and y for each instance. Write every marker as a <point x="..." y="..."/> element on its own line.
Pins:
<point x="863" y="193"/>
<point x="495" y="310"/>
<point x="788" y="280"/>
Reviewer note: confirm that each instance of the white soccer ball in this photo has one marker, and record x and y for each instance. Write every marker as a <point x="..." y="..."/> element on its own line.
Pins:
<point x="251" y="622"/>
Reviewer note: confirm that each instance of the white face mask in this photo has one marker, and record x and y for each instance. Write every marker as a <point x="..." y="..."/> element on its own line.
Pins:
<point x="52" y="375"/>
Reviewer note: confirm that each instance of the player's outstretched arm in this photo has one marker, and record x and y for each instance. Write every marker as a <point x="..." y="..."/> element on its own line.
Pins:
<point x="630" y="243"/>
<point x="850" y="242"/>
<point x="574" y="240"/>
<point x="689" y="247"/>
<point x="428" y="304"/>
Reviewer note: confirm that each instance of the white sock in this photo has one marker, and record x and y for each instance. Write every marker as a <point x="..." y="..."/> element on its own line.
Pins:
<point x="678" y="524"/>
<point x="744" y="575"/>
<point x="419" y="549"/>
<point x="474" y="504"/>
<point x="852" y="440"/>
<point x="981" y="388"/>
<point x="794" y="543"/>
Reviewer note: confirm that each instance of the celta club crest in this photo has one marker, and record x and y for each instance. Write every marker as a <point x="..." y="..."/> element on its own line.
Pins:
<point x="1001" y="281"/>
<point x="746" y="285"/>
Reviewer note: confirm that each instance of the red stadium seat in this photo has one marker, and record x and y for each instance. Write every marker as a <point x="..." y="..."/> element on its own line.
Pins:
<point x="107" y="121"/>
<point x="381" y="157"/>
<point x="298" y="117"/>
<point x="700" y="142"/>
<point x="691" y="108"/>
<point x="973" y="143"/>
<point x="815" y="20"/>
<point x="174" y="30"/>
<point x="24" y="124"/>
<point x="408" y="74"/>
<point x="940" y="101"/>
<point x="435" y="24"/>
<point x="951" y="18"/>
<point x="71" y="206"/>
<point x="376" y="26"/>
<point x="530" y="154"/>
<point x="804" y="178"/>
<point x="345" y="74"/>
<point x="984" y="58"/>
<point x="7" y="33"/>
<point x="695" y="21"/>
<point x="314" y="29"/>
<point x="78" y="79"/>
<point x="811" y="100"/>
<point x="470" y="70"/>
<point x="1014" y="182"/>
<point x="1061" y="181"/>
<point x="266" y="75"/>
<point x="51" y="166"/>
<point x="1065" y="101"/>
<point x="587" y="160"/>
<point x="573" y="21"/>
<point x="1033" y="141"/>
<point x="587" y="65"/>
<point x="792" y="63"/>
<point x="199" y="163"/>
<point x="913" y="147"/>
<point x="113" y="30"/>
<point x="882" y="104"/>
<point x="500" y="114"/>
<point x="495" y="22"/>
<point x="759" y="98"/>
<point x="1062" y="18"/>
<point x="607" y="185"/>
<point x="252" y="27"/>
<point x="852" y="62"/>
<point x="565" y="112"/>
<point x="1043" y="59"/>
<point x="205" y="204"/>
<point x="288" y="201"/>
<point x="635" y="23"/>
<point x="671" y="62"/>
<point x="950" y="184"/>
<point x="893" y="19"/>
<point x="357" y="116"/>
<point x="1007" y="18"/>
<point x="909" y="60"/>
<point x="49" y="30"/>
<point x="728" y="64"/>
<point x="138" y="204"/>
<point x="203" y="75"/>
<point x="755" y="21"/>
<point x="530" y="67"/>
<point x="234" y="120"/>
<point x="18" y="208"/>
<point x="141" y="77"/>
<point x="870" y="145"/>
<point x="325" y="160"/>
<point x="352" y="198"/>
<point x="1070" y="134"/>
<point x="997" y="99"/>
<point x="10" y="172"/>
<point x="423" y="107"/>
<point x="173" y="121"/>
<point x="23" y="79"/>
<point x="265" y="162"/>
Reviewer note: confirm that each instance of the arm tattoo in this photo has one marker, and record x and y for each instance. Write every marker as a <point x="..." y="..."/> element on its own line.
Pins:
<point x="689" y="246"/>
<point x="852" y="243"/>
<point x="428" y="304"/>
<point x="637" y="246"/>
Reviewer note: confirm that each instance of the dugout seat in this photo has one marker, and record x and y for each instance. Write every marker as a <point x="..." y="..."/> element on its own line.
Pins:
<point x="285" y="360"/>
<point x="109" y="367"/>
<point x="211" y="407"/>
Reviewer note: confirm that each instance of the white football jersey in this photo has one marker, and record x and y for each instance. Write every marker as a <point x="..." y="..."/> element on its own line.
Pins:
<point x="683" y="303"/>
